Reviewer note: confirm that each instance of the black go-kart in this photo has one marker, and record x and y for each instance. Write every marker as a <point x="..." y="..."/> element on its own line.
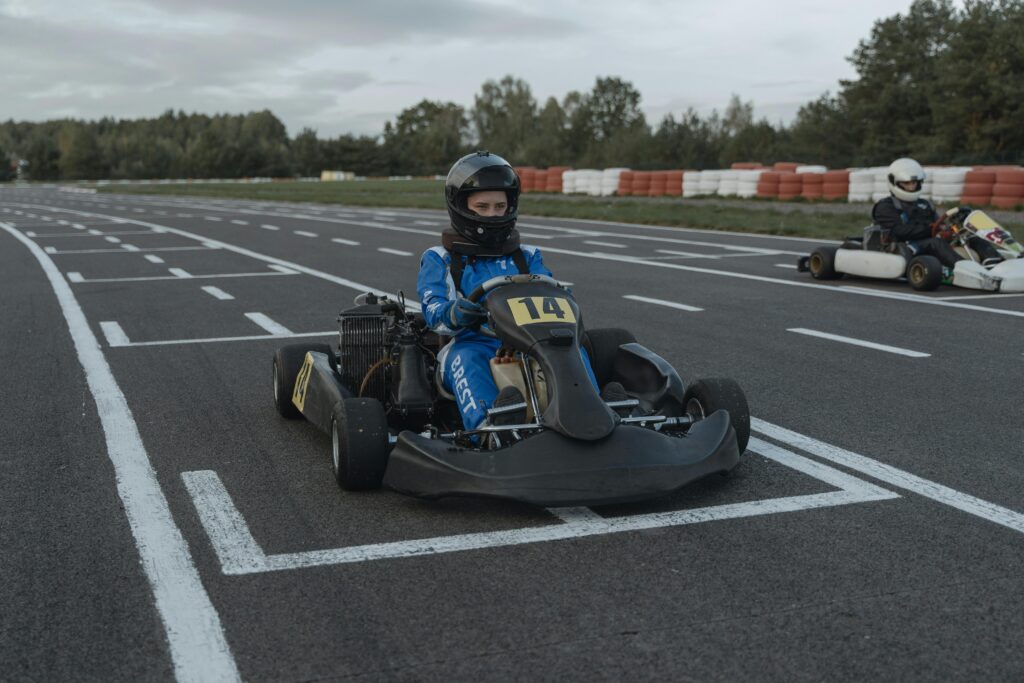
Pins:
<point x="392" y="422"/>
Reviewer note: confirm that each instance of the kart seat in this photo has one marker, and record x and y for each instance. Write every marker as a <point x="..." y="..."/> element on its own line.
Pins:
<point x="876" y="239"/>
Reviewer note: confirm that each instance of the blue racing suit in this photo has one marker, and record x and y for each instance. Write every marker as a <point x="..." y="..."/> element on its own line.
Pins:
<point x="465" y="362"/>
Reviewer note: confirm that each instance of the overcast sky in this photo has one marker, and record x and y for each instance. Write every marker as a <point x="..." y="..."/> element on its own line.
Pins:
<point x="341" y="66"/>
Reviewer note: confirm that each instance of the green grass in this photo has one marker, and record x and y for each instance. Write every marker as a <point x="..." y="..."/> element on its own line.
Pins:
<point x="760" y="217"/>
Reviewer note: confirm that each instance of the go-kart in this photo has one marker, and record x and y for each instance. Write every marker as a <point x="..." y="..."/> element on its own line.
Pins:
<point x="392" y="421"/>
<point x="875" y="255"/>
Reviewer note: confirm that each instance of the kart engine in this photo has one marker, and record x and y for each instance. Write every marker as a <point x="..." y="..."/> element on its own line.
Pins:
<point x="363" y="345"/>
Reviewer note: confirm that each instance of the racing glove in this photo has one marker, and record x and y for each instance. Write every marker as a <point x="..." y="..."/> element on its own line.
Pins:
<point x="465" y="313"/>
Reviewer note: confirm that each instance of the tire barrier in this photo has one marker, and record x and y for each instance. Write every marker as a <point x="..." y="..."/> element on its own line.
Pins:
<point x="998" y="186"/>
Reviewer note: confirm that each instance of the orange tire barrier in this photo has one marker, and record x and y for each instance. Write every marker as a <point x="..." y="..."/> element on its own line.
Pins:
<point x="673" y="183"/>
<point x="554" y="179"/>
<point x="785" y="166"/>
<point x="790" y="185"/>
<point x="658" y="182"/>
<point x="979" y="177"/>
<point x="625" y="183"/>
<point x="834" y="177"/>
<point x="526" y="175"/>
<point x="540" y="180"/>
<point x="1003" y="202"/>
<point x="977" y="189"/>
<point x="812" y="185"/>
<point x="975" y="200"/>
<point x="641" y="183"/>
<point x="1010" y="177"/>
<point x="745" y="165"/>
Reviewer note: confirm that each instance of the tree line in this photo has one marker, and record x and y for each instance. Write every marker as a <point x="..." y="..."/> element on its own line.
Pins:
<point x="941" y="83"/>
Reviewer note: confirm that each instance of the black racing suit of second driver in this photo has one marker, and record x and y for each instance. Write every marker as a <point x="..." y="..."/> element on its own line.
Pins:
<point x="911" y="222"/>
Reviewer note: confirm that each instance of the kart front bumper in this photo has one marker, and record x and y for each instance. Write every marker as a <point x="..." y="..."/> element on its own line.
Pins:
<point x="633" y="463"/>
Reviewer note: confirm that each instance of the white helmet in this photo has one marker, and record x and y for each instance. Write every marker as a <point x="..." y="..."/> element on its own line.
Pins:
<point x="906" y="171"/>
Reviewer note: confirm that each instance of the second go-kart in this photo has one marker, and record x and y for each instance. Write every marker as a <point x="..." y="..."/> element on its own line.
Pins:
<point x="876" y="256"/>
<point x="392" y="422"/>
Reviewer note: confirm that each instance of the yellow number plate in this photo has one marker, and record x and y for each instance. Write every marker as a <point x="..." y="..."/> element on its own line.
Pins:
<point x="302" y="383"/>
<point x="541" y="309"/>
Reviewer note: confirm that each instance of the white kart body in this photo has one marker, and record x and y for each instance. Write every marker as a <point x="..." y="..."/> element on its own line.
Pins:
<point x="866" y="263"/>
<point x="1007" y="276"/>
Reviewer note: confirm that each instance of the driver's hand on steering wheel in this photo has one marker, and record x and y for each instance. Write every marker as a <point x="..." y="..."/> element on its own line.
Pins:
<point x="466" y="313"/>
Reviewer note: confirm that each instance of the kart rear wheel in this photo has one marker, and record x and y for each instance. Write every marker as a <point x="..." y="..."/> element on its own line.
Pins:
<point x="288" y="361"/>
<point x="359" y="443"/>
<point x="924" y="273"/>
<point x="602" y="345"/>
<point x="822" y="264"/>
<point x="705" y="396"/>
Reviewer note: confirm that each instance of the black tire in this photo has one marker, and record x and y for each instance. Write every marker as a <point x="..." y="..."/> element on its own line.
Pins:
<point x="924" y="273"/>
<point x="287" y="363"/>
<point x="601" y="345"/>
<point x="705" y="396"/>
<point x="822" y="264"/>
<point x="359" y="443"/>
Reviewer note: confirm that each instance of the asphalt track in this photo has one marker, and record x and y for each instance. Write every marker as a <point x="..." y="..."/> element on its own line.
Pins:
<point x="159" y="521"/>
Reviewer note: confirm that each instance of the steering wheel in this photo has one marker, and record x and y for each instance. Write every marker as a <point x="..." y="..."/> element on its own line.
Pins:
<point x="503" y="281"/>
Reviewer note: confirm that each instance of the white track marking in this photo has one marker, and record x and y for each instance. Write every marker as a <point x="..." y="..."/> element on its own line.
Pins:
<point x="112" y="239"/>
<point x="688" y="254"/>
<point x="283" y="269"/>
<point x="534" y="236"/>
<point x="78" y="226"/>
<point x="210" y="245"/>
<point x="114" y="333"/>
<point x="75" y="276"/>
<point x="396" y="252"/>
<point x="121" y="251"/>
<point x="351" y="284"/>
<point x="95" y="232"/>
<point x="130" y="247"/>
<point x="32" y="234"/>
<point x="217" y="293"/>
<point x="791" y="266"/>
<point x="184" y="215"/>
<point x="268" y="226"/>
<point x="425" y="223"/>
<point x="50" y="250"/>
<point x="179" y="272"/>
<point x="269" y="325"/>
<point x="240" y="553"/>
<point x="305" y="233"/>
<point x="382" y="218"/>
<point x="339" y="240"/>
<point x="661" y="302"/>
<point x="612" y="245"/>
<point x="198" y="648"/>
<point x="895" y="477"/>
<point x="859" y="342"/>
<point x="967" y="296"/>
<point x="237" y="221"/>
<point x="215" y="219"/>
<point x="153" y="278"/>
<point x="153" y="259"/>
<point x="248" y="337"/>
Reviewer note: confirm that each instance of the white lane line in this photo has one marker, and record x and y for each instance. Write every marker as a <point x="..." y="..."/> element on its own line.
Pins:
<point x="240" y="553"/>
<point x="249" y="337"/>
<point x="268" y="226"/>
<point x="50" y="250"/>
<point x="139" y="210"/>
<point x="237" y="221"/>
<point x="184" y="215"/>
<point x="343" y="282"/>
<point x="382" y="218"/>
<point x="62" y="222"/>
<point x="75" y="276"/>
<point x="396" y="252"/>
<point x="112" y="239"/>
<point x="339" y="240"/>
<point x="966" y="296"/>
<point x="154" y="278"/>
<point x="30" y="234"/>
<point x="114" y="333"/>
<point x="121" y="251"/>
<point x="283" y="269"/>
<point x="534" y="236"/>
<point x="179" y="272"/>
<point x="689" y="254"/>
<point x="662" y="302"/>
<point x="305" y="233"/>
<point x="613" y="245"/>
<point x="859" y="342"/>
<point x="153" y="259"/>
<point x="199" y="651"/>
<point x="791" y="266"/>
<point x="212" y="218"/>
<point x="95" y="232"/>
<point x="46" y="219"/>
<point x="423" y="222"/>
<point x="130" y="247"/>
<point x="210" y="245"/>
<point x="894" y="477"/>
<point x="78" y="226"/>
<point x="269" y="325"/>
<point x="217" y="293"/>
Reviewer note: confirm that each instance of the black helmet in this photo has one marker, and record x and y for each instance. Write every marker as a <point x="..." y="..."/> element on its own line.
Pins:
<point x="478" y="172"/>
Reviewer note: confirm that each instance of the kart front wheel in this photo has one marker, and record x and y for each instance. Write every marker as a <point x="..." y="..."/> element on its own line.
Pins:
<point x="288" y="362"/>
<point x="705" y="396"/>
<point x="822" y="264"/>
<point x="359" y="443"/>
<point x="924" y="273"/>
